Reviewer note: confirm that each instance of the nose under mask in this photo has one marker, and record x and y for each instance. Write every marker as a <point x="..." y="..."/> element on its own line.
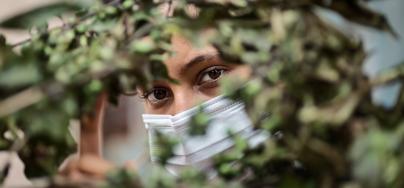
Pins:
<point x="225" y="116"/>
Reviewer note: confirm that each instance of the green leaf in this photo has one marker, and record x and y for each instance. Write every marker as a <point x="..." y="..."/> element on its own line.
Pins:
<point x="2" y="41"/>
<point x="199" y="123"/>
<point x="19" y="75"/>
<point x="39" y="16"/>
<point x="143" y="46"/>
<point x="239" y="3"/>
<point x="166" y="147"/>
<point x="122" y="177"/>
<point x="356" y="11"/>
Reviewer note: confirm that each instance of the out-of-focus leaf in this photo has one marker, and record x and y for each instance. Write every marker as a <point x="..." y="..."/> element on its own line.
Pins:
<point x="160" y="178"/>
<point x="19" y="75"/>
<point x="374" y="157"/>
<point x="143" y="46"/>
<point x="193" y="177"/>
<point x="2" y="41"/>
<point x="199" y="123"/>
<point x="49" y="139"/>
<point x="390" y="75"/>
<point x="358" y="12"/>
<point x="334" y="113"/>
<point x="166" y="147"/>
<point x="121" y="178"/>
<point x="40" y="15"/>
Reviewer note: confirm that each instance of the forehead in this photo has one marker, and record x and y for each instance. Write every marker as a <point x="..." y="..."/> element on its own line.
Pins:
<point x="183" y="49"/>
<point x="184" y="52"/>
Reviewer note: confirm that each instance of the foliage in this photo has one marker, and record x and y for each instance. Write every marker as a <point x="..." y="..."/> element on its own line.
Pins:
<point x="307" y="76"/>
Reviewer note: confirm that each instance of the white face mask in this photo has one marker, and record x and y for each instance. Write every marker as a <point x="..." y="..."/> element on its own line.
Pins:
<point x="197" y="151"/>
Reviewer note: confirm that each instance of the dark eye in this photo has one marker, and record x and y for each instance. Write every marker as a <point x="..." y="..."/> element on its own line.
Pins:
<point x="158" y="95"/>
<point x="211" y="75"/>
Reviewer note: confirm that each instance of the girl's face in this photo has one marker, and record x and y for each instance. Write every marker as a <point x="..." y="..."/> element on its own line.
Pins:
<point x="198" y="71"/>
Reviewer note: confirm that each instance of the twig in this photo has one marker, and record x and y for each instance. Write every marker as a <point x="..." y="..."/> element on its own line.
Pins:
<point x="65" y="26"/>
<point x="21" y="100"/>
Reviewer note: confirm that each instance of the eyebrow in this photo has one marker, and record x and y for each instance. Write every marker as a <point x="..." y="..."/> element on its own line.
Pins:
<point x="196" y="60"/>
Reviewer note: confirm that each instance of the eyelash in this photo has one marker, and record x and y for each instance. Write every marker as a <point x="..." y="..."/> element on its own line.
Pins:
<point x="200" y="76"/>
<point x="206" y="71"/>
<point x="149" y="93"/>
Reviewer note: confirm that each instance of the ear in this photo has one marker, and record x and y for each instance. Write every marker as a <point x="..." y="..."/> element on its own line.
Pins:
<point x="91" y="128"/>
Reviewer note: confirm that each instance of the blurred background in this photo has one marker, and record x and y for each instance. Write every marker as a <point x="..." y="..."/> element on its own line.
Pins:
<point x="383" y="50"/>
<point x="124" y="136"/>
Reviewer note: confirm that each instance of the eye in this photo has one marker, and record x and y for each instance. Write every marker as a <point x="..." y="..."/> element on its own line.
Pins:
<point x="157" y="95"/>
<point x="211" y="75"/>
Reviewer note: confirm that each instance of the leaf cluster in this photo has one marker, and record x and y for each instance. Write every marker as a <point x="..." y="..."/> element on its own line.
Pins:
<point x="307" y="76"/>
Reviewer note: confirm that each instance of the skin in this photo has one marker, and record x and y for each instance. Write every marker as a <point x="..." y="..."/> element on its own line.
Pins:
<point x="198" y="71"/>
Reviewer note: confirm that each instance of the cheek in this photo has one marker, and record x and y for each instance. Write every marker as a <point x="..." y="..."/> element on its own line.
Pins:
<point x="208" y="93"/>
<point x="149" y="109"/>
